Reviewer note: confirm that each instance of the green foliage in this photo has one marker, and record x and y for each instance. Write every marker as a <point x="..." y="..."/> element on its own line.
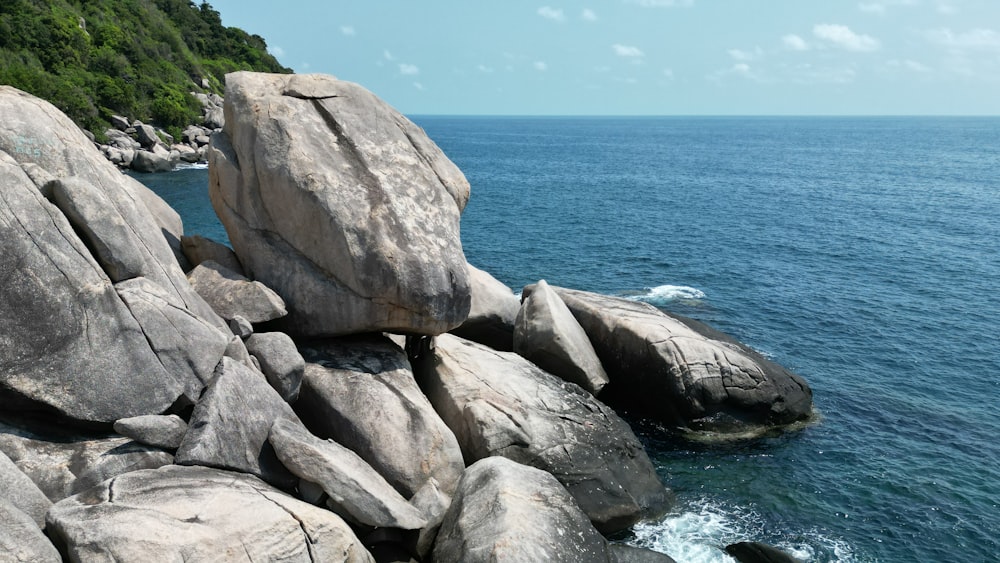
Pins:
<point x="138" y="58"/>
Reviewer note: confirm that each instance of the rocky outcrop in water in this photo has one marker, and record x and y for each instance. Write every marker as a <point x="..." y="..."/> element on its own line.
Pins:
<point x="327" y="442"/>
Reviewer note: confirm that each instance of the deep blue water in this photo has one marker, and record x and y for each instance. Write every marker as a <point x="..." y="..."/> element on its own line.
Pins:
<point x="860" y="252"/>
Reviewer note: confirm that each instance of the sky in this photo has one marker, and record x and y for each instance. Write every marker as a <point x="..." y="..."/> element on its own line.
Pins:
<point x="645" y="57"/>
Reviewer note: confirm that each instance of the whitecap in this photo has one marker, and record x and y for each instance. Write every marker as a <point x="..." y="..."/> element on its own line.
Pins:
<point x="191" y="166"/>
<point x="663" y="294"/>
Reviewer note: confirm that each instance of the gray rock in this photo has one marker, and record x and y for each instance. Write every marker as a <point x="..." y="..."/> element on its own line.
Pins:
<point x="280" y="362"/>
<point x="361" y="393"/>
<point x="148" y="162"/>
<point x="40" y="177"/>
<point x="494" y="310"/>
<point x="146" y="135"/>
<point x="199" y="249"/>
<point x="62" y="463"/>
<point x="547" y="335"/>
<point x="683" y="372"/>
<point x="159" y="431"/>
<point x="21" y="492"/>
<point x="103" y="229"/>
<point x="121" y="140"/>
<point x="505" y="511"/>
<point x="185" y="344"/>
<point x="229" y="426"/>
<point x="169" y="221"/>
<point x="756" y="552"/>
<point x="622" y="553"/>
<point x="241" y="327"/>
<point x="356" y="491"/>
<point x="214" y="118"/>
<point x="198" y="514"/>
<point x="120" y="123"/>
<point x="231" y="294"/>
<point x="21" y="539"/>
<point x="499" y="404"/>
<point x="187" y="154"/>
<point x="341" y="205"/>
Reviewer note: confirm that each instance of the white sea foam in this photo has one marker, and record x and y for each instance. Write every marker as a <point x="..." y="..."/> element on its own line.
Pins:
<point x="663" y="294"/>
<point x="191" y="166"/>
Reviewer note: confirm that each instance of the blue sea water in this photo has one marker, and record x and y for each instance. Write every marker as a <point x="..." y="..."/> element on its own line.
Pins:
<point x="860" y="252"/>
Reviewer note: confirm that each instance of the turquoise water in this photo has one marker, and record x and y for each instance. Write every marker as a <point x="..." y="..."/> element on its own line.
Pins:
<point x="860" y="252"/>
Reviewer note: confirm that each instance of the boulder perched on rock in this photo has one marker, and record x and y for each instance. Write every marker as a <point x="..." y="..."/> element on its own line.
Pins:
<point x="198" y="249"/>
<point x="341" y="205"/>
<point x="279" y="361"/>
<point x="499" y="404"/>
<point x="62" y="462"/>
<point x="507" y="512"/>
<point x="546" y="333"/>
<point x="67" y="342"/>
<point x="159" y="431"/>
<point x="683" y="372"/>
<point x="198" y="514"/>
<point x="360" y="391"/>
<point x="229" y="426"/>
<point x="357" y="492"/>
<point x="230" y="294"/>
<point x="21" y="539"/>
<point x="494" y="310"/>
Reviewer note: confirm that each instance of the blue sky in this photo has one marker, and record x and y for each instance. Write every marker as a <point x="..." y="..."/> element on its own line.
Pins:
<point x="645" y="57"/>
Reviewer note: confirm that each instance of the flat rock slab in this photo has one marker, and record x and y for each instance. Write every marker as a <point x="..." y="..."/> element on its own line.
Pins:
<point x="507" y="512"/>
<point x="499" y="404"/>
<point x="546" y="333"/>
<point x="198" y="514"/>
<point x="684" y="372"/>
<point x="230" y="294"/>
<point x="360" y="392"/>
<point x="357" y="492"/>
<point x="341" y="205"/>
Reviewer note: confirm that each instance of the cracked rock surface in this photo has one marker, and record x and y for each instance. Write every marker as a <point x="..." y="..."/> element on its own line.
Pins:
<point x="198" y="514"/>
<point x="341" y="205"/>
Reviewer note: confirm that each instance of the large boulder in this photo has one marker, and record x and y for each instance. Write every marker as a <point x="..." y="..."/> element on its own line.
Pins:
<point x="356" y="491"/>
<point x="148" y="161"/>
<point x="494" y="310"/>
<point x="546" y="333"/>
<point x="67" y="342"/>
<point x="229" y="426"/>
<point x="508" y="512"/>
<point x="198" y="514"/>
<point x="230" y="294"/>
<point x="683" y="372"/>
<point x="341" y="205"/>
<point x="499" y="404"/>
<point x="21" y="539"/>
<point x="62" y="462"/>
<point x="361" y="392"/>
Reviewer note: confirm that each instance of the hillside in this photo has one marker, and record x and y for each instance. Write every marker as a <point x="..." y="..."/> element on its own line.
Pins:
<point x="137" y="58"/>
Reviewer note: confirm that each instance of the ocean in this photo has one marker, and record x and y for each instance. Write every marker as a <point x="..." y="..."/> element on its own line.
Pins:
<point x="861" y="253"/>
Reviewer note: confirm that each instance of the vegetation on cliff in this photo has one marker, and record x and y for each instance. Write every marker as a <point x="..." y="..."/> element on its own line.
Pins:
<point x="138" y="58"/>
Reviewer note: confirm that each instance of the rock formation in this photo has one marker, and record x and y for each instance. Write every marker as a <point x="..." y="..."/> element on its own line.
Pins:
<point x="357" y="210"/>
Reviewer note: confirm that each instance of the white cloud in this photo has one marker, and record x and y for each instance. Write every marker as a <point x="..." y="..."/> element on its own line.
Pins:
<point x="276" y="51"/>
<point x="588" y="15"/>
<point x="794" y="42"/>
<point x="843" y="37"/>
<point x="910" y="65"/>
<point x="484" y="68"/>
<point x="552" y="14"/>
<point x="627" y="51"/>
<point x="408" y="69"/>
<point x="348" y="30"/>
<point x="976" y="39"/>
<point x="742" y="70"/>
<point x="741" y="55"/>
<point x="387" y="55"/>
<point x="540" y="65"/>
<point x="418" y="86"/>
<point x="660" y="3"/>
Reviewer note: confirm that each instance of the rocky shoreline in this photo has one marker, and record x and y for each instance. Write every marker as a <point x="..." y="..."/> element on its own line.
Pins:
<point x="340" y="385"/>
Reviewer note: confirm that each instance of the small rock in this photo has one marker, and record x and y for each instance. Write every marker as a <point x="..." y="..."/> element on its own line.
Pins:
<point x="159" y="431"/>
<point x="279" y="360"/>
<point x="230" y="294"/>
<point x="240" y="326"/>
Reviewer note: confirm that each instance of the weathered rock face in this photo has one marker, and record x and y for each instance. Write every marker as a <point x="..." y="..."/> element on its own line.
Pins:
<point x="356" y="491"/>
<point x="198" y="249"/>
<point x="494" y="310"/>
<point x="499" y="404"/>
<point x="198" y="514"/>
<point x="546" y="333"/>
<point x="341" y="205"/>
<point x="361" y="393"/>
<point x="63" y="463"/>
<point x="230" y="294"/>
<point x="158" y="431"/>
<point x="229" y="426"/>
<point x="21" y="539"/>
<point x="682" y="371"/>
<point x="67" y="342"/>
<point x="21" y="492"/>
<point x="280" y="362"/>
<point x="505" y="511"/>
